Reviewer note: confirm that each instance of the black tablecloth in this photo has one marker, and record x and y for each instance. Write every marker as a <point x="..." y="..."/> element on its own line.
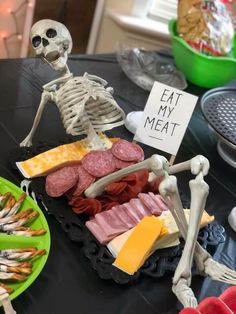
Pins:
<point x="67" y="283"/>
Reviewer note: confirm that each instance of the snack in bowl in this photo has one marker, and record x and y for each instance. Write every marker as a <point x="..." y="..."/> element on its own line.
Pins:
<point x="206" y="25"/>
<point x="24" y="239"/>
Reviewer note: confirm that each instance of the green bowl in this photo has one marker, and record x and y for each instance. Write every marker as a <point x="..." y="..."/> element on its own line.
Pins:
<point x="13" y="241"/>
<point x="199" y="69"/>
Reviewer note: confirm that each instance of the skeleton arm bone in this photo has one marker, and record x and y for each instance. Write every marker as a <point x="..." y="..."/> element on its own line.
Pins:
<point x="196" y="165"/>
<point x="46" y="96"/>
<point x="156" y="163"/>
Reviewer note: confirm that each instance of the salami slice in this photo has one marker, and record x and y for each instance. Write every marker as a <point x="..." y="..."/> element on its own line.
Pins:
<point x="60" y="181"/>
<point x="127" y="151"/>
<point x="120" y="164"/>
<point x="83" y="182"/>
<point x="99" y="163"/>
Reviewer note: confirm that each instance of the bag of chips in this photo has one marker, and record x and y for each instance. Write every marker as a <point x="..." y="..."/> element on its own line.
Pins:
<point x="206" y="25"/>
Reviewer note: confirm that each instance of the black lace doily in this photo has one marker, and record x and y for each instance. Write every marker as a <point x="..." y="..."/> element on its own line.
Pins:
<point x="158" y="264"/>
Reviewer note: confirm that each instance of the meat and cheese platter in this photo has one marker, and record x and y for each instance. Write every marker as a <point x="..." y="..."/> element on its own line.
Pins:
<point x="24" y="239"/>
<point x="104" y="224"/>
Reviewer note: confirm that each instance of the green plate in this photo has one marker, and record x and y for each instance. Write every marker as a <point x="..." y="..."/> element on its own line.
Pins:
<point x="13" y="242"/>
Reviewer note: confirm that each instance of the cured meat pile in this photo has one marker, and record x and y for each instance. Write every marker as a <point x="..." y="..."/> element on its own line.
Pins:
<point x="73" y="180"/>
<point x="120" y="218"/>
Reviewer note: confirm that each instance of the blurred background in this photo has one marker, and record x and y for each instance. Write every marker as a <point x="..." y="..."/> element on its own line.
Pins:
<point x="95" y="25"/>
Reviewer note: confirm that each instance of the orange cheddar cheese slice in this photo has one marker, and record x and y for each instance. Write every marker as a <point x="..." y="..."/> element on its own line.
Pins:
<point x="170" y="238"/>
<point x="57" y="157"/>
<point x="139" y="244"/>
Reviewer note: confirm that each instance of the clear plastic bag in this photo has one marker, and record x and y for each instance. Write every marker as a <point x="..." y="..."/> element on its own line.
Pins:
<point x="206" y="25"/>
<point x="145" y="67"/>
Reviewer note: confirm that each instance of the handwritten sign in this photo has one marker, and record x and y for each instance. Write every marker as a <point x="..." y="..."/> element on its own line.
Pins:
<point x="165" y="118"/>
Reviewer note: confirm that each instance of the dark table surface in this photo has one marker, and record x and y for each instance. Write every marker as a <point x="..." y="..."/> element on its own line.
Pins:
<point x="68" y="284"/>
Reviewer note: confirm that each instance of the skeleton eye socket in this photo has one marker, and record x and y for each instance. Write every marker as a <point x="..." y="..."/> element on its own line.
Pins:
<point x="36" y="41"/>
<point x="51" y="33"/>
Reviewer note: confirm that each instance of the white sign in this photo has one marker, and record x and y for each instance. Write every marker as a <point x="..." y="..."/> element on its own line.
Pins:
<point x="165" y="118"/>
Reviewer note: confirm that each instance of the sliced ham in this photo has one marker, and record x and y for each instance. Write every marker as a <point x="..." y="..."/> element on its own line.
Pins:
<point x="97" y="231"/>
<point x="132" y="213"/>
<point x="150" y="204"/>
<point x="140" y="208"/>
<point x="122" y="212"/>
<point x="111" y="223"/>
<point x="158" y="199"/>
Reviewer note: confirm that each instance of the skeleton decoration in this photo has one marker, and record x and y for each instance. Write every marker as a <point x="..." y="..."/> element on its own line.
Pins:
<point x="199" y="166"/>
<point x="87" y="107"/>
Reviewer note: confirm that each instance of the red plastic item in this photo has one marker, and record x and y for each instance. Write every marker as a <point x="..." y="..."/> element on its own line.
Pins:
<point x="229" y="298"/>
<point x="224" y="304"/>
<point x="213" y="305"/>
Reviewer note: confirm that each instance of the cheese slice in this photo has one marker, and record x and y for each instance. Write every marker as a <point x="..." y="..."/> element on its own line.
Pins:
<point x="171" y="238"/>
<point x="139" y="244"/>
<point x="59" y="156"/>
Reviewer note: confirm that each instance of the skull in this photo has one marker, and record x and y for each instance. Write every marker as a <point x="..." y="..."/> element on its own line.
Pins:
<point x="52" y="42"/>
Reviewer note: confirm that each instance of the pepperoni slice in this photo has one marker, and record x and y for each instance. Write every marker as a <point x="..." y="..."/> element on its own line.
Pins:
<point x="127" y="151"/>
<point x="115" y="188"/>
<point x="90" y="206"/>
<point x="60" y="181"/>
<point x="84" y="181"/>
<point x="99" y="163"/>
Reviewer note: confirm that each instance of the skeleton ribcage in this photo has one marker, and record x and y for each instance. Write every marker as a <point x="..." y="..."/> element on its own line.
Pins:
<point x="83" y="102"/>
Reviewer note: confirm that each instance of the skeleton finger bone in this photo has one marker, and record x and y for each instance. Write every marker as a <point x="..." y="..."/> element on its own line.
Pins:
<point x="158" y="164"/>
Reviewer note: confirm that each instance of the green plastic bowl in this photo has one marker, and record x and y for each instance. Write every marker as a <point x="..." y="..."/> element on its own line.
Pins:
<point x="199" y="69"/>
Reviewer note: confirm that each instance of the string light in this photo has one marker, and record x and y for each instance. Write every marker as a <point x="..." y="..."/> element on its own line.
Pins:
<point x="17" y="33"/>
